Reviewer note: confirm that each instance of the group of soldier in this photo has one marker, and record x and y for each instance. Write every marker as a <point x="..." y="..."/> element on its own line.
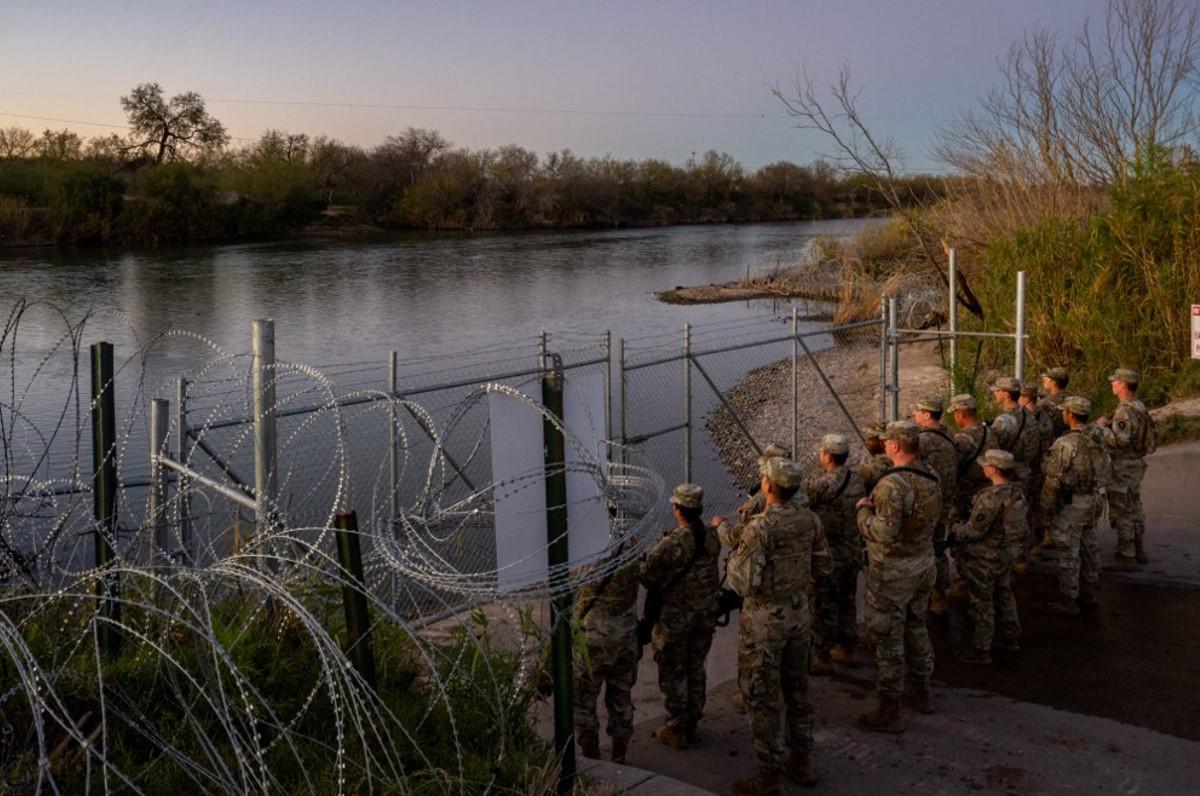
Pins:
<point x="989" y="497"/>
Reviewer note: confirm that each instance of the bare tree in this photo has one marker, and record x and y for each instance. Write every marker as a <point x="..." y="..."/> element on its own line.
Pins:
<point x="17" y="142"/>
<point x="861" y="151"/>
<point x="169" y="130"/>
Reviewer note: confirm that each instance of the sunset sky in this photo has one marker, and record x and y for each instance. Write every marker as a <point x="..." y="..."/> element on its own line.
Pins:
<point x="630" y="79"/>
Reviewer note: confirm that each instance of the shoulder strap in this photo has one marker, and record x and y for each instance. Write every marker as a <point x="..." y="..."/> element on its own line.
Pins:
<point x="596" y="595"/>
<point x="940" y="432"/>
<point x="837" y="494"/>
<point x="698" y="532"/>
<point x="978" y="448"/>
<point x="914" y="471"/>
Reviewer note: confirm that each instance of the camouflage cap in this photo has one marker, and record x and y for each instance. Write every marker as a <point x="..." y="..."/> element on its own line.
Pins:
<point x="1007" y="383"/>
<point x="1130" y="377"/>
<point x="874" y="431"/>
<point x="835" y="443"/>
<point x="963" y="402"/>
<point x="1078" y="405"/>
<point x="773" y="451"/>
<point x="1030" y="390"/>
<point x="1055" y="374"/>
<point x="1000" y="459"/>
<point x="784" y="472"/>
<point x="689" y="496"/>
<point x="903" y="431"/>
<point x="931" y="403"/>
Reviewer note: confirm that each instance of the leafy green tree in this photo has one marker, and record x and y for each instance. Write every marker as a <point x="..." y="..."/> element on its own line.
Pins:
<point x="170" y="130"/>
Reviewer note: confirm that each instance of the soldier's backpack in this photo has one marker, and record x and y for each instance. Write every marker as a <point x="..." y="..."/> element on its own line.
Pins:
<point x="1146" y="441"/>
<point x="1099" y="461"/>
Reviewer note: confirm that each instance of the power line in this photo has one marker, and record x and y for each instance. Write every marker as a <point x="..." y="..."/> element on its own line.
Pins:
<point x="88" y="124"/>
<point x="480" y="108"/>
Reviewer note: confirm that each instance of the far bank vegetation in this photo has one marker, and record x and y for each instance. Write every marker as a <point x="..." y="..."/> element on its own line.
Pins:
<point x="175" y="177"/>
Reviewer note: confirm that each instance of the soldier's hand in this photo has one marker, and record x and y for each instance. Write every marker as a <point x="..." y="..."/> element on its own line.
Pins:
<point x="1104" y="422"/>
<point x="864" y="503"/>
<point x="716" y="520"/>
<point x="743" y="514"/>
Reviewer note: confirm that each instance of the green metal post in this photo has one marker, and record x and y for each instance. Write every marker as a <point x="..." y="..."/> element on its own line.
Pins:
<point x="358" y="615"/>
<point x="560" y="605"/>
<point x="104" y="491"/>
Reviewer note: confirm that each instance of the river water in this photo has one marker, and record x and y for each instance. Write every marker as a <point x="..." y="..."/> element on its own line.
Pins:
<point x="438" y="301"/>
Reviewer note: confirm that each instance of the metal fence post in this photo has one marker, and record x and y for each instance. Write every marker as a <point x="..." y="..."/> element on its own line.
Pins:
<point x="266" y="471"/>
<point x="953" y="318"/>
<point x="623" y="398"/>
<point x="687" y="402"/>
<point x="1020" y="335"/>
<point x="795" y="381"/>
<point x="354" y="600"/>
<point x="160" y="409"/>
<point x="393" y="445"/>
<point x="894" y="336"/>
<point x="183" y="492"/>
<point x="608" y="391"/>
<point x="883" y="358"/>
<point x="558" y="555"/>
<point x="104" y="492"/>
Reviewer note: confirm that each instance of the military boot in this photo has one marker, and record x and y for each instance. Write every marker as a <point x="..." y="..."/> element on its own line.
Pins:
<point x="917" y="697"/>
<point x="800" y="769"/>
<point x="1006" y="644"/>
<point x="884" y="718"/>
<point x="620" y="749"/>
<point x="590" y="747"/>
<point x="670" y="736"/>
<point x="974" y="657"/>
<point x="759" y="785"/>
<point x="739" y="702"/>
<point x="1120" y="563"/>
<point x="1140" y="556"/>
<point x="1063" y="606"/>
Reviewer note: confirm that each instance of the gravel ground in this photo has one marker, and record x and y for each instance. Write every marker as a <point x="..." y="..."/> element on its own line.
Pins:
<point x="763" y="401"/>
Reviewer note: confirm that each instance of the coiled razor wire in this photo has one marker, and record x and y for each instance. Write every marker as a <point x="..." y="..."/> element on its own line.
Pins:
<point x="200" y="697"/>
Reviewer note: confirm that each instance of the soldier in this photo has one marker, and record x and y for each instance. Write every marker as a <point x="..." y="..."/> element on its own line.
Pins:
<point x="972" y="439"/>
<point x="1016" y="432"/>
<point x="682" y="569"/>
<point x="832" y="492"/>
<point x="1129" y="437"/>
<point x="939" y="453"/>
<point x="1033" y="486"/>
<point x="771" y="569"/>
<point x="606" y="610"/>
<point x="1075" y="467"/>
<point x="897" y="522"/>
<point x="879" y="464"/>
<point x="1054" y="382"/>
<point x="757" y="501"/>
<point x="991" y="537"/>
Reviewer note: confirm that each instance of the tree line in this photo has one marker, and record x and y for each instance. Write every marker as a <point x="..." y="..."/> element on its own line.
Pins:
<point x="175" y="177"/>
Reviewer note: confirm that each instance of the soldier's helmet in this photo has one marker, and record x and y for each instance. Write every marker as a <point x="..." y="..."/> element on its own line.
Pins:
<point x="1129" y="377"/>
<point x="997" y="458"/>
<point x="689" y="496"/>
<point x="784" y="473"/>
<point x="1078" y="405"/>
<point x="963" y="402"/>
<point x="874" y="431"/>
<point x="930" y="403"/>
<point x="837" y="444"/>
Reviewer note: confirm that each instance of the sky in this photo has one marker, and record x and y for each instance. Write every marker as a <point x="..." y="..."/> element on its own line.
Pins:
<point x="652" y="79"/>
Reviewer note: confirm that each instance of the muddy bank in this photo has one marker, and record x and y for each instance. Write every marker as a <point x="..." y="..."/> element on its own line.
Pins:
<point x="746" y="289"/>
<point x="763" y="400"/>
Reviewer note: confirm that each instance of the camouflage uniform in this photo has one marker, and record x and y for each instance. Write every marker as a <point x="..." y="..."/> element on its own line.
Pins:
<point x="771" y="570"/>
<point x="873" y="470"/>
<point x="1128" y="439"/>
<point x="1073" y="468"/>
<point x="971" y="442"/>
<point x="832" y="495"/>
<point x="992" y="537"/>
<point x="1035" y="477"/>
<point x="939" y="453"/>
<point x="900" y="574"/>
<point x="1050" y="408"/>
<point x="684" y="632"/>
<point x="609" y="636"/>
<point x="1018" y="433"/>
